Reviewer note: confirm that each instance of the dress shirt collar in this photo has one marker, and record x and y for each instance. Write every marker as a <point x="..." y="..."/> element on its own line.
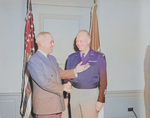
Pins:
<point x="43" y="53"/>
<point x="84" y="53"/>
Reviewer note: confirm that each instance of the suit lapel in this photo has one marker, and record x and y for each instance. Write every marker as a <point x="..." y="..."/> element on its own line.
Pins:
<point x="50" y="62"/>
<point x="78" y="56"/>
<point x="55" y="67"/>
<point x="89" y="55"/>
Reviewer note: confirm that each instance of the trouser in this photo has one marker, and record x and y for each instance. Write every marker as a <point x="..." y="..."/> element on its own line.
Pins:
<point x="83" y="103"/>
<point x="49" y="116"/>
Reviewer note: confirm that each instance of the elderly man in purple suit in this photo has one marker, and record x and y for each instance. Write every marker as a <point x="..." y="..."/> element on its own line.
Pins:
<point x="47" y="93"/>
<point x="88" y="88"/>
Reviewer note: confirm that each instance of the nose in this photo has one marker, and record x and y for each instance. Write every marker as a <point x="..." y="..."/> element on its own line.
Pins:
<point x="53" y="44"/>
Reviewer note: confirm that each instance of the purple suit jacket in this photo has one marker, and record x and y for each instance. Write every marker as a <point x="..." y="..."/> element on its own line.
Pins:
<point x="96" y="73"/>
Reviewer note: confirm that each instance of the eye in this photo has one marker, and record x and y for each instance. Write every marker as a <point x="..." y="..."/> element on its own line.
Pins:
<point x="51" y="41"/>
<point x="77" y="41"/>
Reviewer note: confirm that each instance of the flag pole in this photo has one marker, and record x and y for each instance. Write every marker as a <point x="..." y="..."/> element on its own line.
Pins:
<point x="29" y="49"/>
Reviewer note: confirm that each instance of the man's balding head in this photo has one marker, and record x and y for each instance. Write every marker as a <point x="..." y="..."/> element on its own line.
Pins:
<point x="45" y="42"/>
<point x="83" y="40"/>
<point x="41" y="36"/>
<point x="85" y="33"/>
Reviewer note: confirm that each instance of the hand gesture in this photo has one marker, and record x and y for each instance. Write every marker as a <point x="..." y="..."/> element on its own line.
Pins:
<point x="67" y="87"/>
<point x="80" y="68"/>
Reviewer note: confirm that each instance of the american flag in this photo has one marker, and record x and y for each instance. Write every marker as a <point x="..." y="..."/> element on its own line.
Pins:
<point x="29" y="49"/>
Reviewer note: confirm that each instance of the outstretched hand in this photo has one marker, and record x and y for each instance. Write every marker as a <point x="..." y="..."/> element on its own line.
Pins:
<point x="80" y="68"/>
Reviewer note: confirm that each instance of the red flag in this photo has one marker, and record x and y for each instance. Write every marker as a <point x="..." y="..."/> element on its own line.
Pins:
<point x="25" y="106"/>
<point x="95" y="43"/>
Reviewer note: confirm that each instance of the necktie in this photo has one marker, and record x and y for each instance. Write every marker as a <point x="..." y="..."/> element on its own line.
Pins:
<point x="82" y="57"/>
<point x="48" y="56"/>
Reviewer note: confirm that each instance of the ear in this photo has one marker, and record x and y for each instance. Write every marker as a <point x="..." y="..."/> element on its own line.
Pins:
<point x="89" y="40"/>
<point x="42" y="43"/>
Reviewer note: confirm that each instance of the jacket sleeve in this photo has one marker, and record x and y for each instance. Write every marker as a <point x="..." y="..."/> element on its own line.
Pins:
<point x="67" y="74"/>
<point x="38" y="75"/>
<point x="103" y="79"/>
<point x="68" y="65"/>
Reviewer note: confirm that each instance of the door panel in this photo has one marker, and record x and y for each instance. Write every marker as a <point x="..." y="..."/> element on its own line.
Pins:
<point x="63" y="23"/>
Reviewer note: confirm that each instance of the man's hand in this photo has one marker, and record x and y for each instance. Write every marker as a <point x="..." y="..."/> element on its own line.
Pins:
<point x="98" y="106"/>
<point x="80" y="68"/>
<point x="67" y="87"/>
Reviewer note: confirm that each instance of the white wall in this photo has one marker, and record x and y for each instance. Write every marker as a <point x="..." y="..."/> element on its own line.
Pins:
<point x="120" y="33"/>
<point x="124" y="34"/>
<point x="145" y="25"/>
<point x="12" y="20"/>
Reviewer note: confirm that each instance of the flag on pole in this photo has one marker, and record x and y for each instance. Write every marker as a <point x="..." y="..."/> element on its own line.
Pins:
<point x="95" y="43"/>
<point x="29" y="49"/>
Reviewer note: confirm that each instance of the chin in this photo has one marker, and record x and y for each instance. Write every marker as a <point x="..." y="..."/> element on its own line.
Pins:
<point x="80" y="49"/>
<point x="50" y="51"/>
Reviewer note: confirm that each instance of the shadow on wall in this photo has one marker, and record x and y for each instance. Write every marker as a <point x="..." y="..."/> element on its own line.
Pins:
<point x="147" y="81"/>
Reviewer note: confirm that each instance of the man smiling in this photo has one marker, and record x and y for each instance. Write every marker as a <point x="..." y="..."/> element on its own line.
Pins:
<point x="88" y="88"/>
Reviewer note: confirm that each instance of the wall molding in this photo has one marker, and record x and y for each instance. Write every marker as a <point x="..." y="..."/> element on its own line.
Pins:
<point x="66" y="3"/>
<point x="116" y="93"/>
<point x="10" y="94"/>
<point x="124" y="93"/>
<point x="10" y="105"/>
<point x="57" y="16"/>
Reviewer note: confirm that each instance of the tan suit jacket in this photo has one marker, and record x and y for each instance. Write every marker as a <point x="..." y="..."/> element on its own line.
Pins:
<point x="47" y="94"/>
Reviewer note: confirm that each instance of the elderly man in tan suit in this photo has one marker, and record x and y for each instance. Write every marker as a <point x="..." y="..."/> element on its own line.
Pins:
<point x="47" y="94"/>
